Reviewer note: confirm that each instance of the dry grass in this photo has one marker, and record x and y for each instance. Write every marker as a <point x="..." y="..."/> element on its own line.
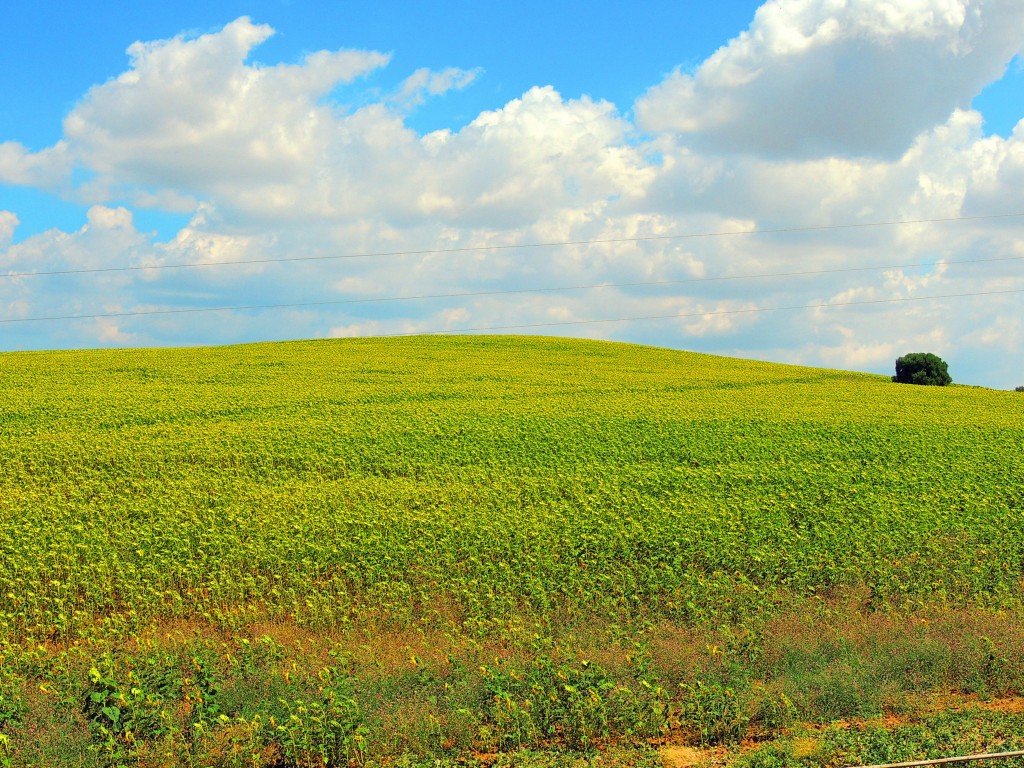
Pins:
<point x="678" y="756"/>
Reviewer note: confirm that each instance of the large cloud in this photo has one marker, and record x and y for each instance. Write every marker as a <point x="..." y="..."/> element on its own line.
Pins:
<point x="193" y="116"/>
<point x="816" y="78"/>
<point x="194" y="120"/>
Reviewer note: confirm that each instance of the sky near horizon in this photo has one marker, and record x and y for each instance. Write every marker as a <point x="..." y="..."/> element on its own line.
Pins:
<point x="727" y="176"/>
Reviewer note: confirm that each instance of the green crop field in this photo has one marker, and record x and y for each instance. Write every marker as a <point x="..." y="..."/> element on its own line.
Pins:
<point x="442" y="550"/>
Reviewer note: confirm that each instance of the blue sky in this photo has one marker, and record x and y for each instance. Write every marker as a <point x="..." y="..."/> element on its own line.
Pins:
<point x="153" y="135"/>
<point x="612" y="53"/>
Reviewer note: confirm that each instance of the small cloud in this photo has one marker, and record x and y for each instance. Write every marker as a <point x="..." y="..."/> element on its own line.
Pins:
<point x="858" y="356"/>
<point x="720" y="318"/>
<point x="15" y="308"/>
<point x="101" y="217"/>
<point x="46" y="169"/>
<point x="426" y="82"/>
<point x="355" y="285"/>
<point x="454" y="316"/>
<point x="109" y="331"/>
<point x="354" y="330"/>
<point x="1005" y="334"/>
<point x="8" y="223"/>
<point x="560" y="314"/>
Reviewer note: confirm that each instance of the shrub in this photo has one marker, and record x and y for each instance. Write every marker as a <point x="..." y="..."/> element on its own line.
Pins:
<point x="922" y="368"/>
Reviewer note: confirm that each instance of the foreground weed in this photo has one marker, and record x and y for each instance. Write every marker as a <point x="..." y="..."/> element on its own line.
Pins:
<point x="328" y="732"/>
<point x="717" y="713"/>
<point x="948" y="734"/>
<point x="577" y="703"/>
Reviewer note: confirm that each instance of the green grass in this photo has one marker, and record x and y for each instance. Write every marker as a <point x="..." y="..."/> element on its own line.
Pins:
<point x="427" y="541"/>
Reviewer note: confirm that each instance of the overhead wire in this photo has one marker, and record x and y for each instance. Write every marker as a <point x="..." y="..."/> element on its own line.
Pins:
<point x="543" y="289"/>
<point x="713" y="313"/>
<point x="499" y="292"/>
<point x="296" y="305"/>
<point x="506" y="247"/>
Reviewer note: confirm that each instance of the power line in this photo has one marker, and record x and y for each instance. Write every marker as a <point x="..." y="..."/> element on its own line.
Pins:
<point x="502" y="292"/>
<point x="685" y="315"/>
<point x="294" y="305"/>
<point x="478" y="248"/>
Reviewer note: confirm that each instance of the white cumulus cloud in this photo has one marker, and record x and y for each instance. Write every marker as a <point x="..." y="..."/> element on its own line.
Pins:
<point x="426" y="82"/>
<point x="817" y="78"/>
<point x="192" y="116"/>
<point x="46" y="169"/>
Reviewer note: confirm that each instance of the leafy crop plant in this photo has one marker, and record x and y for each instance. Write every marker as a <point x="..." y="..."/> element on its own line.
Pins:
<point x="373" y="550"/>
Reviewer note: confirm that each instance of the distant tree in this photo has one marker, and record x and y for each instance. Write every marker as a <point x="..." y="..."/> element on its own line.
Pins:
<point x="922" y="368"/>
<point x="1019" y="389"/>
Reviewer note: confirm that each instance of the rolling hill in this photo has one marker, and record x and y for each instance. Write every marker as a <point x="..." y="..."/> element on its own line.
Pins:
<point x="423" y="540"/>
